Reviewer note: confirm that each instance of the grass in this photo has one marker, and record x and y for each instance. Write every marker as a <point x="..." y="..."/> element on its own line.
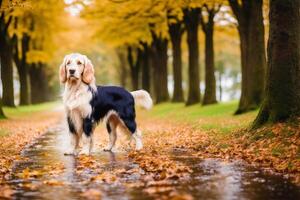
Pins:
<point x="26" y="110"/>
<point x="4" y="133"/>
<point x="218" y="117"/>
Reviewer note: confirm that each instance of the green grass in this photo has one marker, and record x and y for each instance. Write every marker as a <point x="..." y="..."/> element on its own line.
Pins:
<point x="217" y="117"/>
<point x="25" y="110"/>
<point x="3" y="133"/>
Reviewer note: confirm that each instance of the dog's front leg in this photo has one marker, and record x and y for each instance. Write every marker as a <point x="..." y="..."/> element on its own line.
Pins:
<point x="74" y="144"/>
<point x="87" y="136"/>
<point x="111" y="129"/>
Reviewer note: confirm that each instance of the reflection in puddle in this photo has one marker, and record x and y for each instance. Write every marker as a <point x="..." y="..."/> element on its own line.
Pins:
<point x="211" y="179"/>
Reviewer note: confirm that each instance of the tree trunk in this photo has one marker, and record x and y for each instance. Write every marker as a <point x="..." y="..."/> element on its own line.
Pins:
<point x="251" y="32"/>
<point x="282" y="99"/>
<point x="175" y="31"/>
<point x="159" y="64"/>
<point x="22" y="67"/>
<point x="134" y="67"/>
<point x="191" y="18"/>
<point x="210" y="79"/>
<point x="6" y="71"/>
<point x="123" y="67"/>
<point x="2" y="115"/>
<point x="40" y="91"/>
<point x="146" y="68"/>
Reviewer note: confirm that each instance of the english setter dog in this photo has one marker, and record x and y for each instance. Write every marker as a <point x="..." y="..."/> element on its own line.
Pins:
<point x="87" y="104"/>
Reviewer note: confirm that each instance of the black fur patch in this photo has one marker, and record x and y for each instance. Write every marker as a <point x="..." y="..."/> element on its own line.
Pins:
<point x="108" y="128"/>
<point x="71" y="125"/>
<point x="108" y="98"/>
<point x="87" y="126"/>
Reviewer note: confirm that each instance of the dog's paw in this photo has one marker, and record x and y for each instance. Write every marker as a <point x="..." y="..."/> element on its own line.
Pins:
<point x="71" y="153"/>
<point x="85" y="152"/>
<point x="107" y="149"/>
<point x="138" y="148"/>
<point x="138" y="145"/>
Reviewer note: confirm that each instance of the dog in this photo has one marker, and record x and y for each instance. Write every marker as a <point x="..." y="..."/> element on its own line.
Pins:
<point x="87" y="104"/>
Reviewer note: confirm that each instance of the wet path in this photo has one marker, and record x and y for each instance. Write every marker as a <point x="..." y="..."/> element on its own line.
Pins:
<point x="45" y="173"/>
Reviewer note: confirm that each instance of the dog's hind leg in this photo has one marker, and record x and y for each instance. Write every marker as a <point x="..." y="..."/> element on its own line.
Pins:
<point x="111" y="127"/>
<point x="137" y="135"/>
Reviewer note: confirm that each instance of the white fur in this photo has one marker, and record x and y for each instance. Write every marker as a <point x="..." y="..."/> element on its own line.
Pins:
<point x="142" y="98"/>
<point x="137" y="136"/>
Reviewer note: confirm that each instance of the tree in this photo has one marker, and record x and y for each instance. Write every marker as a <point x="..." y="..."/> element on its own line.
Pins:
<point x="2" y="115"/>
<point x="41" y="25"/>
<point x="208" y="29"/>
<point x="176" y="30"/>
<point x="39" y="81"/>
<point x="134" y="66"/>
<point x="146" y="64"/>
<point x="159" y="65"/>
<point x="282" y="98"/>
<point x="123" y="66"/>
<point x="251" y="31"/>
<point x="20" y="59"/>
<point x="191" y="20"/>
<point x="6" y="10"/>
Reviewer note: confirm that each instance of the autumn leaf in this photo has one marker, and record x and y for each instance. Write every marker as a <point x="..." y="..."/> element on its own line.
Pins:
<point x="53" y="182"/>
<point x="92" y="194"/>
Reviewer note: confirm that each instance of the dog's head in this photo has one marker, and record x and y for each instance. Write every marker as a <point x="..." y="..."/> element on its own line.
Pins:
<point x="76" y="67"/>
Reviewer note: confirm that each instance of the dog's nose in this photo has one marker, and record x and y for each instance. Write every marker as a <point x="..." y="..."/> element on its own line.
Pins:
<point x="72" y="71"/>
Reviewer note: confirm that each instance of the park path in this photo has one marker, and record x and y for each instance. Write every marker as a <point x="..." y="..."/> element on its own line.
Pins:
<point x="44" y="172"/>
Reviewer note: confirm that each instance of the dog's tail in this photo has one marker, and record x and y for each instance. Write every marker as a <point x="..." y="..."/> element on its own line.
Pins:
<point x="142" y="98"/>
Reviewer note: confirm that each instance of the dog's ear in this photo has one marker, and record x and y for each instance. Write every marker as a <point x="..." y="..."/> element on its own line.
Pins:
<point x="62" y="70"/>
<point x="88" y="72"/>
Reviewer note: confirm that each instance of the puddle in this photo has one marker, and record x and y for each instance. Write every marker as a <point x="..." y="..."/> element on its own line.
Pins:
<point x="211" y="179"/>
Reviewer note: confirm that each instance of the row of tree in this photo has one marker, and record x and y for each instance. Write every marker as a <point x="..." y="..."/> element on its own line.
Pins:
<point x="26" y="38"/>
<point x="141" y="30"/>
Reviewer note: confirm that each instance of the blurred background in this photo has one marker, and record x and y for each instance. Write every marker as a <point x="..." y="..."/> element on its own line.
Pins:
<point x="179" y="50"/>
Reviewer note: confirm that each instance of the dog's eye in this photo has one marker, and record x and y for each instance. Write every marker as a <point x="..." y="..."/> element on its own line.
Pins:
<point x="79" y="63"/>
<point x="69" y="62"/>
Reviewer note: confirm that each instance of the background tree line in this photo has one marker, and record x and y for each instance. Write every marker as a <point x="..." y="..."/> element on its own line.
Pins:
<point x="27" y="30"/>
<point x="145" y="35"/>
<point x="145" y="29"/>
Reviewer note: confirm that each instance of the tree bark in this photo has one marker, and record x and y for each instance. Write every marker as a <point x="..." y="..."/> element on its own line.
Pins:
<point x="123" y="67"/>
<point x="40" y="91"/>
<point x="146" y="59"/>
<point x="159" y="64"/>
<point x="22" y="67"/>
<point x="6" y="71"/>
<point x="251" y="31"/>
<point x="134" y="67"/>
<point x="6" y="60"/>
<point x="175" y="31"/>
<point x="282" y="99"/>
<point x="2" y="115"/>
<point x="210" y="79"/>
<point x="191" y="19"/>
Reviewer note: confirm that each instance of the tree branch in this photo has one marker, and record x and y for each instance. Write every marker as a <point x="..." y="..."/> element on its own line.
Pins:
<point x="202" y="22"/>
<point x="236" y="9"/>
<point x="8" y="23"/>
